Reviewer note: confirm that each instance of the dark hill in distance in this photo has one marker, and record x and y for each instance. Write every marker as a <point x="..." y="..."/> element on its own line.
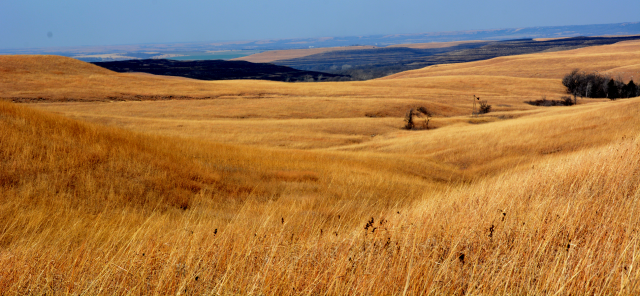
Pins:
<point x="361" y="64"/>
<point x="379" y="62"/>
<point x="219" y="70"/>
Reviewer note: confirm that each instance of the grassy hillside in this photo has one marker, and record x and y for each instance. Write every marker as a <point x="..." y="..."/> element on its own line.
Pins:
<point x="347" y="113"/>
<point x="98" y="210"/>
<point x="313" y="188"/>
<point x="322" y="115"/>
<point x="21" y="80"/>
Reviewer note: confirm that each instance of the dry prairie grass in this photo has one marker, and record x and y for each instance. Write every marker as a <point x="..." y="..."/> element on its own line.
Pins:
<point x="21" y="79"/>
<point x="497" y="144"/>
<point x="98" y="210"/>
<point x="317" y="121"/>
<point x="532" y="201"/>
<point x="294" y="115"/>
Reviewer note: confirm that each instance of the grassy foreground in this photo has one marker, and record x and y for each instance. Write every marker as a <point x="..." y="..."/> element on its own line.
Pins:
<point x="98" y="210"/>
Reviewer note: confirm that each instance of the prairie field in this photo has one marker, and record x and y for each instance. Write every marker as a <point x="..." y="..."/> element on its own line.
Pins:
<point x="138" y="184"/>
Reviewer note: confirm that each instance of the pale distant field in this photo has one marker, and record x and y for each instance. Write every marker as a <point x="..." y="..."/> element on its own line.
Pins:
<point x="268" y="188"/>
<point x="275" y="55"/>
<point x="434" y="44"/>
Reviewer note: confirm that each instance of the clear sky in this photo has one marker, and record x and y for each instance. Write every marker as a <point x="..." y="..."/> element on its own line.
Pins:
<point x="45" y="23"/>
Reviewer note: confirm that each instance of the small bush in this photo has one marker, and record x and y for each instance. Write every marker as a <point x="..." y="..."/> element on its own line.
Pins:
<point x="419" y="111"/>
<point x="424" y="111"/>
<point x="408" y="119"/>
<point x="484" y="107"/>
<point x="567" y="101"/>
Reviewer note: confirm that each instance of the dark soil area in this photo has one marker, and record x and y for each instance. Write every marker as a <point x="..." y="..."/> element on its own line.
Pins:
<point x="219" y="70"/>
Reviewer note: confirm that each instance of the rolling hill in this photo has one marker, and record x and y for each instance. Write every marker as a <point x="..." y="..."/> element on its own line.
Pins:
<point x="147" y="184"/>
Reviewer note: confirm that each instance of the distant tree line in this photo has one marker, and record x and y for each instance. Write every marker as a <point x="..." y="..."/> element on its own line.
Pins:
<point x="596" y="85"/>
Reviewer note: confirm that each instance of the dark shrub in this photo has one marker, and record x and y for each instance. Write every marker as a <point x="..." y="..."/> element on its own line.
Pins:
<point x="612" y="90"/>
<point x="564" y="101"/>
<point x="408" y="119"/>
<point x="424" y="111"/>
<point x="484" y="107"/>
<point x="630" y="90"/>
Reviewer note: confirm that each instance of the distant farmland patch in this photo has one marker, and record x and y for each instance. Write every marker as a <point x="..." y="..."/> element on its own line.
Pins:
<point x="214" y="55"/>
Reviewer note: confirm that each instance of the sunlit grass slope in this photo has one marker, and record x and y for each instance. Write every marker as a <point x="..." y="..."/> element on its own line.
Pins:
<point x="21" y="81"/>
<point x="313" y="121"/>
<point x="492" y="144"/>
<point x="88" y="209"/>
<point x="74" y="194"/>
<point x="302" y="115"/>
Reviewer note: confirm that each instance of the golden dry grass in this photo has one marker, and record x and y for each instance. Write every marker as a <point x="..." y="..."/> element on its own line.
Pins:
<point x="298" y="115"/>
<point x="347" y="113"/>
<point x="97" y="210"/>
<point x="21" y="79"/>
<point x="200" y="197"/>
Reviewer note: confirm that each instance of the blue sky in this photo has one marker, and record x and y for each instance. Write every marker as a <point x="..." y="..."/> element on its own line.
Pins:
<point x="27" y="23"/>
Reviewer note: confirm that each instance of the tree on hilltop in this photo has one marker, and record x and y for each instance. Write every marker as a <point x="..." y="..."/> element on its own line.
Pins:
<point x="572" y="82"/>
<point x="631" y="89"/>
<point x="612" y="90"/>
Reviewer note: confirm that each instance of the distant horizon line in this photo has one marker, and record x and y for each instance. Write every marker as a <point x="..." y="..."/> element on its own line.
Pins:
<point x="245" y="41"/>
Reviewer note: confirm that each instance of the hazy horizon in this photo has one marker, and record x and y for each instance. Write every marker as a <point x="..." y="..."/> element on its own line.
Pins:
<point x="38" y="23"/>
